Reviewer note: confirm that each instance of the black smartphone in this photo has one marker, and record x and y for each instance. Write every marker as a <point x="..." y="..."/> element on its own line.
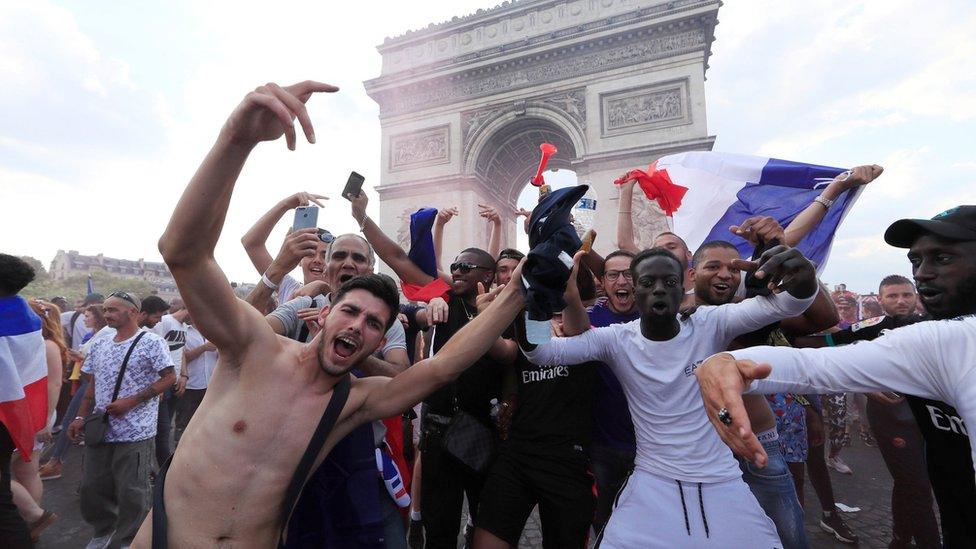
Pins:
<point x="354" y="186"/>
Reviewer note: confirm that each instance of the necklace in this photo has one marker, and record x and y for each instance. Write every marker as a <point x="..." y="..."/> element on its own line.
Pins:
<point x="466" y="312"/>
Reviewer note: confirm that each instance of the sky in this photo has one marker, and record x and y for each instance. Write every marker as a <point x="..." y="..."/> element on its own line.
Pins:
<point x="107" y="108"/>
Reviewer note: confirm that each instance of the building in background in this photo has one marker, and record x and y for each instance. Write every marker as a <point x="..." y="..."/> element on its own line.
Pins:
<point x="71" y="263"/>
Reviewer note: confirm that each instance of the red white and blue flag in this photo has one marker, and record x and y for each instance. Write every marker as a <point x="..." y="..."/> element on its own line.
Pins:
<point x="704" y="193"/>
<point x="23" y="373"/>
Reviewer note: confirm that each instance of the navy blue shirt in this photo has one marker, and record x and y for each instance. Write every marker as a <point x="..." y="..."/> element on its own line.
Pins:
<point x="612" y="425"/>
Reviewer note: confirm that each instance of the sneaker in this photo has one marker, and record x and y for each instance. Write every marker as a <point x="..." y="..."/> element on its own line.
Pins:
<point x="838" y="465"/>
<point x="100" y="542"/>
<point x="415" y="536"/>
<point x="50" y="470"/>
<point x="868" y="439"/>
<point x="834" y="524"/>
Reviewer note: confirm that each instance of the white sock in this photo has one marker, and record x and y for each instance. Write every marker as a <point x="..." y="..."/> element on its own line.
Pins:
<point x="414" y="514"/>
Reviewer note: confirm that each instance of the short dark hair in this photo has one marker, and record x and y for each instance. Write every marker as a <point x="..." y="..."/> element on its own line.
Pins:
<point x="510" y="253"/>
<point x="655" y="252"/>
<point x="15" y="273"/>
<point x="892" y="280"/>
<point x="153" y="304"/>
<point x="683" y="243"/>
<point x="711" y="245"/>
<point x="617" y="253"/>
<point x="377" y="284"/>
<point x="483" y="255"/>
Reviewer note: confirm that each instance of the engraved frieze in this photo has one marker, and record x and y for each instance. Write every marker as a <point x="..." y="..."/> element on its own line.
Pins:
<point x="423" y="148"/>
<point x="645" y="108"/>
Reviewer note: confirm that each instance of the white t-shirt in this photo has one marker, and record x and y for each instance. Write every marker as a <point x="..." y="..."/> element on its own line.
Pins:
<point x="148" y="358"/>
<point x="934" y="359"/>
<point x="174" y="333"/>
<point x="674" y="437"/>
<point x="101" y="334"/>
<point x="201" y="368"/>
<point x="287" y="288"/>
<point x="78" y="331"/>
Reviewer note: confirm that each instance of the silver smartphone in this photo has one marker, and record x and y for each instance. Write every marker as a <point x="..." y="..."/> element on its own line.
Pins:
<point x="306" y="217"/>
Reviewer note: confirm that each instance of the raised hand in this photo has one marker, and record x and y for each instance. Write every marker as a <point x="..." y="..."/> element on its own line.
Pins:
<point x="446" y="214"/>
<point x="485" y="298"/>
<point x="298" y="244"/>
<point x="270" y="110"/>
<point x="303" y="199"/>
<point x="489" y="213"/>
<point x="721" y="380"/>
<point x="857" y="176"/>
<point x="783" y="268"/>
<point x="759" y="228"/>
<point x="359" y="204"/>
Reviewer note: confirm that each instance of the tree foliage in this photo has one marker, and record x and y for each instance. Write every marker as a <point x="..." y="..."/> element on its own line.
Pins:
<point x="75" y="287"/>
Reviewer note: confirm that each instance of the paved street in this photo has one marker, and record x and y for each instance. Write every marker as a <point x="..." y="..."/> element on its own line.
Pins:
<point x="869" y="488"/>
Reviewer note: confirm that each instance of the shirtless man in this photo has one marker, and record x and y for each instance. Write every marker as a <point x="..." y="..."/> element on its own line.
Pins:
<point x="227" y="481"/>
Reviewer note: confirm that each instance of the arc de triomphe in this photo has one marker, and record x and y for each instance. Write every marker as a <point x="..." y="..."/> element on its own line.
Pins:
<point x="464" y="105"/>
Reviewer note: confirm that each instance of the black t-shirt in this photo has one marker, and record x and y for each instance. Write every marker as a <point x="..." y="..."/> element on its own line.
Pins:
<point x="554" y="411"/>
<point x="477" y="385"/>
<point x="412" y="329"/>
<point x="947" y="445"/>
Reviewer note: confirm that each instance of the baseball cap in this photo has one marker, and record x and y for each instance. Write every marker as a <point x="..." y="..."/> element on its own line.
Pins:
<point x="93" y="298"/>
<point x="957" y="223"/>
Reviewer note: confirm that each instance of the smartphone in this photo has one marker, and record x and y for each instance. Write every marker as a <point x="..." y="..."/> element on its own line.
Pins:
<point x="306" y="217"/>
<point x="354" y="186"/>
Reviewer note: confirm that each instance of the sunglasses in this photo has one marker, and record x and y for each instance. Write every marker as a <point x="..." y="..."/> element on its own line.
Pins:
<point x="125" y="297"/>
<point x="326" y="236"/>
<point x="465" y="268"/>
<point x="509" y="255"/>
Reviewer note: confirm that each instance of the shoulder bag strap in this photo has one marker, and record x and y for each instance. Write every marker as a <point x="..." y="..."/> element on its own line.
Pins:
<point x="125" y="362"/>
<point x="303" y="332"/>
<point x="339" y="395"/>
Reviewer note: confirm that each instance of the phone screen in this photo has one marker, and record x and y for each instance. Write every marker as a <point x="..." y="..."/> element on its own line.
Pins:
<point x="354" y="186"/>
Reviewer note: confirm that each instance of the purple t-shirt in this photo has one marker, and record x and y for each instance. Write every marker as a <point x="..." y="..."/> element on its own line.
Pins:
<point x="612" y="425"/>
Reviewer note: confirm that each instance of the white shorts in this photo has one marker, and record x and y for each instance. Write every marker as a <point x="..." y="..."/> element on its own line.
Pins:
<point x="650" y="512"/>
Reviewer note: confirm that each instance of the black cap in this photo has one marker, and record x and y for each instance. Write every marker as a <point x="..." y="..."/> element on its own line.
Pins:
<point x="957" y="223"/>
<point x="93" y="298"/>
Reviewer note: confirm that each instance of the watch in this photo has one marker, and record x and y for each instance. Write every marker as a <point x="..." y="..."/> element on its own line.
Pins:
<point x="825" y="202"/>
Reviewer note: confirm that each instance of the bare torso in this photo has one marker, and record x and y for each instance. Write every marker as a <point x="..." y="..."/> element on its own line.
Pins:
<point x="228" y="477"/>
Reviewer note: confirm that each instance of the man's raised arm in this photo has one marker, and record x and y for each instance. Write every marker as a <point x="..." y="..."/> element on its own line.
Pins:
<point x="386" y="397"/>
<point x="188" y="243"/>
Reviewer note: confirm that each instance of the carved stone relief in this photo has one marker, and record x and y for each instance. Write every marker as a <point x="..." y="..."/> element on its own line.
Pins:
<point x="422" y="148"/>
<point x="637" y="48"/>
<point x="645" y="108"/>
<point x="572" y="103"/>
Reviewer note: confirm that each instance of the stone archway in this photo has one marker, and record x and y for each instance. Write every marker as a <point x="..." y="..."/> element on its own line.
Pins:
<point x="464" y="105"/>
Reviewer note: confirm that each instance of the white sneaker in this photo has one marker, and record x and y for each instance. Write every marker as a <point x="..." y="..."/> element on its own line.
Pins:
<point x="100" y="542"/>
<point x="836" y="464"/>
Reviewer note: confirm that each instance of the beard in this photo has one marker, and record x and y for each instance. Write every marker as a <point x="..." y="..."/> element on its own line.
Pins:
<point x="963" y="300"/>
<point x="325" y="365"/>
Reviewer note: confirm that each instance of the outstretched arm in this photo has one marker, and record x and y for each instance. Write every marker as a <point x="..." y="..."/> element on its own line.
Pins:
<point x="386" y="397"/>
<point x="495" y="234"/>
<point x="437" y="233"/>
<point x="188" y="243"/>
<point x="254" y="239"/>
<point x="625" y="220"/>
<point x="389" y="251"/>
<point x="810" y="217"/>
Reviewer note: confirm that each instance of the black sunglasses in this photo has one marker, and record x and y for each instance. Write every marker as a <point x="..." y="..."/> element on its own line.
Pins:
<point x="125" y="297"/>
<point x="464" y="267"/>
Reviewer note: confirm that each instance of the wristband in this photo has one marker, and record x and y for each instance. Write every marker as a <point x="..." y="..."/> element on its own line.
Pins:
<point x="829" y="338"/>
<point x="267" y="282"/>
<point x="825" y="202"/>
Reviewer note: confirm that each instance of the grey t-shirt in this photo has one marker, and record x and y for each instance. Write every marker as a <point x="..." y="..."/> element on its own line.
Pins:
<point x="287" y="313"/>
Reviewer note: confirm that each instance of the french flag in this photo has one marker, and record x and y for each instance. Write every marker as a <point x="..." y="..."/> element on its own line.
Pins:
<point x="23" y="373"/>
<point x="422" y="255"/>
<point x="704" y="193"/>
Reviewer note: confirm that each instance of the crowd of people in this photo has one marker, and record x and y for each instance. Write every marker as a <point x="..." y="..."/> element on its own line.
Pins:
<point x="333" y="411"/>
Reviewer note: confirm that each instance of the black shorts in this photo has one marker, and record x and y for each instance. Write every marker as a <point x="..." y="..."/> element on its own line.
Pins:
<point x="560" y="485"/>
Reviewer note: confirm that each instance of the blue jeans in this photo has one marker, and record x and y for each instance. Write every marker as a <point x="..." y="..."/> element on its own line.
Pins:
<point x="61" y="442"/>
<point x="774" y="489"/>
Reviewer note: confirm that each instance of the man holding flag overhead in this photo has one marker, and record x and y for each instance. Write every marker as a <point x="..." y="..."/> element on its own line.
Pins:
<point x="703" y="194"/>
<point x="23" y="387"/>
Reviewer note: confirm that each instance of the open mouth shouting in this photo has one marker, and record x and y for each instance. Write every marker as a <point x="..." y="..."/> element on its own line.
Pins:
<point x="659" y="307"/>
<point x="344" y="346"/>
<point x="722" y="289"/>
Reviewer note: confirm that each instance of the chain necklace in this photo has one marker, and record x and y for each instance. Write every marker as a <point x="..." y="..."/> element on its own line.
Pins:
<point x="466" y="312"/>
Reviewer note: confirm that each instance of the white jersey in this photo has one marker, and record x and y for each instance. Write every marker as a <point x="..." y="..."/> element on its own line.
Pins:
<point x="934" y="359"/>
<point x="674" y="437"/>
